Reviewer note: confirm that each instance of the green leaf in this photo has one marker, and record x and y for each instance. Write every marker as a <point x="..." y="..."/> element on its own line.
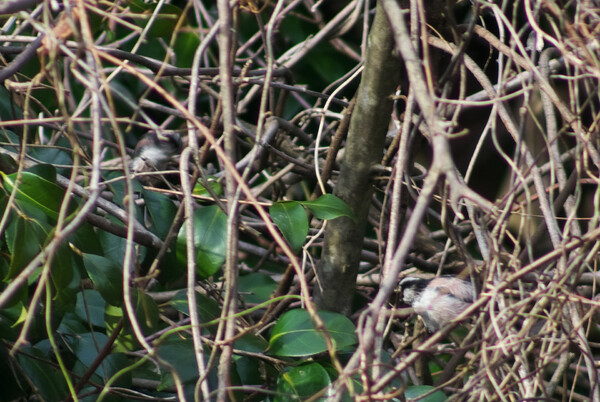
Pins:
<point x="250" y="342"/>
<point x="146" y="311"/>
<point x="126" y="340"/>
<point x="7" y="163"/>
<point x="415" y="392"/>
<point x="164" y="21"/>
<point x="37" y="191"/>
<point x="256" y="287"/>
<point x="43" y="374"/>
<point x="208" y="309"/>
<point x="11" y="384"/>
<point x="117" y="187"/>
<point x="9" y="110"/>
<point x="87" y="240"/>
<point x="162" y="212"/>
<point x="291" y="219"/>
<point x="66" y="279"/>
<point x="301" y="382"/>
<point x="86" y="347"/>
<point x="200" y="189"/>
<point x="9" y="315"/>
<point x="113" y="246"/>
<point x="178" y="352"/>
<point x="210" y="240"/>
<point x="184" y="47"/>
<point x="248" y="370"/>
<point x="70" y="323"/>
<point x="17" y="300"/>
<point x="295" y="335"/>
<point x="52" y="156"/>
<point x="24" y="238"/>
<point x="90" y="308"/>
<point x="62" y="267"/>
<point x="45" y="171"/>
<point x="328" y="206"/>
<point x="106" y="276"/>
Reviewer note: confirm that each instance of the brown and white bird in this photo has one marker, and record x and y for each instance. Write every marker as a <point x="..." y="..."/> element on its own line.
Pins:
<point x="437" y="300"/>
<point x="153" y="152"/>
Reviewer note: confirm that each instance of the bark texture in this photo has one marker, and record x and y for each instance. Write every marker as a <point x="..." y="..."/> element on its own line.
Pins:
<point x="344" y="238"/>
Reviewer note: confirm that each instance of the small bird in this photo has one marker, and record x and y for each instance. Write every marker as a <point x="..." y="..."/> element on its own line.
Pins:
<point x="153" y="152"/>
<point x="437" y="300"/>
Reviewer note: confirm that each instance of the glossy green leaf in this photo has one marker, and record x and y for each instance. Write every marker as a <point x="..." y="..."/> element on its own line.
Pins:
<point x="23" y="315"/>
<point x="17" y="299"/>
<point x="62" y="267"/>
<point x="86" y="348"/>
<point x="24" y="238"/>
<point x="178" y="352"/>
<point x="291" y="220"/>
<point x="66" y="279"/>
<point x="9" y="136"/>
<point x="210" y="240"/>
<point x="52" y="156"/>
<point x="184" y="47"/>
<point x="248" y="370"/>
<point x="119" y="190"/>
<point x="90" y="308"/>
<point x="70" y="323"/>
<point x="251" y="343"/>
<point x="9" y="315"/>
<point x="44" y="171"/>
<point x="256" y="287"/>
<point x="86" y="239"/>
<point x="172" y="268"/>
<point x="9" y="109"/>
<point x="328" y="206"/>
<point x="295" y="335"/>
<point x="162" y="212"/>
<point x="87" y="345"/>
<point x="126" y="340"/>
<point x="42" y="373"/>
<point x="106" y="276"/>
<point x="301" y="382"/>
<point x="8" y="163"/>
<point x="416" y="392"/>
<point x="33" y="214"/>
<point x="112" y="245"/>
<point x="146" y="311"/>
<point x="200" y="189"/>
<point x="37" y="191"/>
<point x="208" y="309"/>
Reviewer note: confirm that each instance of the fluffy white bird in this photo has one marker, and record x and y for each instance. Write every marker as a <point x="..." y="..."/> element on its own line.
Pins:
<point x="437" y="300"/>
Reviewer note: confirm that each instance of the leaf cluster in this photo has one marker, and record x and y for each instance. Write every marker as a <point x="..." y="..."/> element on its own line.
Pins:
<point x="194" y="283"/>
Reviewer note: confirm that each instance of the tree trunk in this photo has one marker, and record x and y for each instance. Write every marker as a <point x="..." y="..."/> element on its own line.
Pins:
<point x="369" y="124"/>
